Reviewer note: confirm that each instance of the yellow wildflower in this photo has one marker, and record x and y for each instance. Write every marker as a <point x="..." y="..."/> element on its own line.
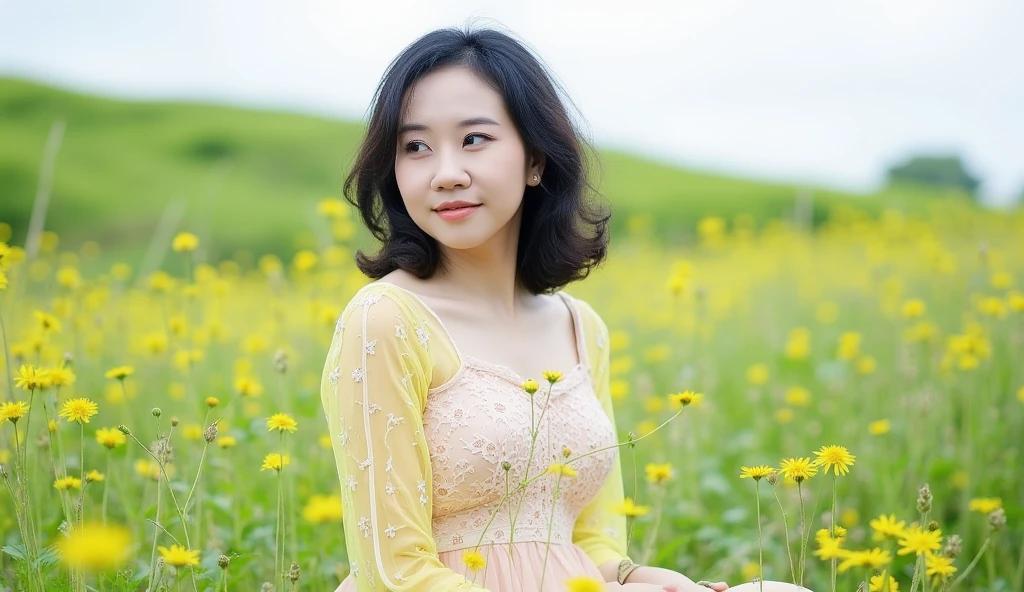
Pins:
<point x="110" y="437"/>
<point x="879" y="427"/>
<point x="473" y="560"/>
<point x="985" y="504"/>
<point x="584" y="584"/>
<point x="685" y="398"/>
<point x="30" y="378"/>
<point x="179" y="556"/>
<point x="561" y="469"/>
<point x="275" y="461"/>
<point x="331" y="207"/>
<point x="13" y="411"/>
<point x="758" y="374"/>
<point x="47" y="322"/>
<point x="322" y="508"/>
<point x="248" y="387"/>
<point x="67" y="483"/>
<point x="658" y="473"/>
<point x="79" y="410"/>
<point x="120" y="372"/>
<point x="917" y="541"/>
<point x="797" y="396"/>
<point x="877" y="583"/>
<point x="938" y="566"/>
<point x="887" y="526"/>
<point x="184" y="242"/>
<point x="629" y="508"/>
<point x="874" y="559"/>
<point x="913" y="309"/>
<point x="212" y="402"/>
<point x="552" y="376"/>
<point x="798" y="469"/>
<point x="95" y="547"/>
<point x="226" y="441"/>
<point x="836" y="458"/>
<point x="282" y="422"/>
<point x="756" y="472"/>
<point x="93" y="476"/>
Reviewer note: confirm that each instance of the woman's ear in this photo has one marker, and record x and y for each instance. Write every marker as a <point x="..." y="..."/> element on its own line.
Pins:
<point x="535" y="168"/>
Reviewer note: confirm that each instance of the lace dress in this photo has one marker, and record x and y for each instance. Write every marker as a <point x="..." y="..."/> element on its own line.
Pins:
<point x="431" y="444"/>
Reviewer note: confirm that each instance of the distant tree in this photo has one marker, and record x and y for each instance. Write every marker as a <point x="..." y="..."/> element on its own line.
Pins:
<point x="945" y="171"/>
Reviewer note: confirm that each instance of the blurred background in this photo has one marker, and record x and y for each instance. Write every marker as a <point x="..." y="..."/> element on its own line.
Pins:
<point x="241" y="115"/>
<point x="816" y="227"/>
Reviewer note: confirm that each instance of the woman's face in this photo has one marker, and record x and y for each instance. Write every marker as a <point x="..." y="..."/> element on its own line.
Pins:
<point x="457" y="142"/>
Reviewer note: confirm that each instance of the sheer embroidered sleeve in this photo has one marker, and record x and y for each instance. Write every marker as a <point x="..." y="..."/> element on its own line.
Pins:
<point x="599" y="530"/>
<point x="374" y="387"/>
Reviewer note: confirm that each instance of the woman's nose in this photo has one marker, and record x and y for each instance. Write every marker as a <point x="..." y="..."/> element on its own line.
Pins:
<point x="450" y="174"/>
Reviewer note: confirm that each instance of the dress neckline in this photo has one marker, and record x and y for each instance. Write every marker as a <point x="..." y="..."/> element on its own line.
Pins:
<point x="500" y="369"/>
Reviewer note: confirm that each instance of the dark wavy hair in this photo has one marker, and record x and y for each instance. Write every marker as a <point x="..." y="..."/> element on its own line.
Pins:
<point x="564" y="231"/>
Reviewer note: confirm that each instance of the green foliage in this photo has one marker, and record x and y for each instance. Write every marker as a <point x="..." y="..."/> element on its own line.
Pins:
<point x="944" y="172"/>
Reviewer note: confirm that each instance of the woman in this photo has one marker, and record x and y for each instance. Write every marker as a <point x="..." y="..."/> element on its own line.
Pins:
<point x="456" y="471"/>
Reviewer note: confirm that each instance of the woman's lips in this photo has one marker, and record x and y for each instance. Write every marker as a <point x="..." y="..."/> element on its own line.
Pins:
<point x="456" y="213"/>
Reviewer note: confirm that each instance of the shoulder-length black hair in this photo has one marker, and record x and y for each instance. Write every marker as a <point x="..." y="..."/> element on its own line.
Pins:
<point x="564" y="234"/>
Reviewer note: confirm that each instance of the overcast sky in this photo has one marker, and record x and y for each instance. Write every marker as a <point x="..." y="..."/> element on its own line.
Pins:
<point x="821" y="91"/>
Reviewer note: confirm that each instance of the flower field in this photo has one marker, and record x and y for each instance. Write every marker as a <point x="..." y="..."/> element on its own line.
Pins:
<point x="830" y="407"/>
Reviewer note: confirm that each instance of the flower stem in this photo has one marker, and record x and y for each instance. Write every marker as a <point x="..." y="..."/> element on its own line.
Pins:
<point x="785" y="531"/>
<point x="970" y="567"/>
<point x="803" y="541"/>
<point x="760" y="544"/>
<point x="835" y="478"/>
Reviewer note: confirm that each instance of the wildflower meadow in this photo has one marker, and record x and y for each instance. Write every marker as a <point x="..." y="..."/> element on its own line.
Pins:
<point x="837" y="406"/>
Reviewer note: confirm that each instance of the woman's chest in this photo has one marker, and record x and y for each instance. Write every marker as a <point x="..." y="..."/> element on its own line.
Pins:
<point x="486" y="435"/>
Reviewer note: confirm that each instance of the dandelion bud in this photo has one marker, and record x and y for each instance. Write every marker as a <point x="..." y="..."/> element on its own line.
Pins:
<point x="124" y="430"/>
<point x="293" y="573"/>
<point x="530" y="386"/>
<point x="772" y="478"/>
<point x="924" y="499"/>
<point x="159" y="563"/>
<point x="566" y="451"/>
<point x="506" y="466"/>
<point x="211" y="433"/>
<point x="223" y="561"/>
<point x="280" y="361"/>
<point x="933" y="526"/>
<point x="954" y="546"/>
<point x="997" y="519"/>
<point x="156" y="412"/>
<point x="212" y="402"/>
<point x="174" y="421"/>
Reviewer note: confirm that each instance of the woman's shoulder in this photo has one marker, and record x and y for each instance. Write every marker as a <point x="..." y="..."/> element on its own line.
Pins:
<point x="594" y="326"/>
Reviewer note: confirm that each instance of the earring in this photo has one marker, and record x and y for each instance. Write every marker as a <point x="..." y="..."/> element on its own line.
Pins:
<point x="536" y="178"/>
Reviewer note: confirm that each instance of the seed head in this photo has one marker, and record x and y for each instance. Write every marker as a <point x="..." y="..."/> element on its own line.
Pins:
<point x="772" y="478"/>
<point x="933" y="526"/>
<point x="211" y="433"/>
<point x="223" y="561"/>
<point x="280" y="361"/>
<point x="156" y="412"/>
<point x="506" y="466"/>
<point x="174" y="421"/>
<point x="293" y="573"/>
<point x="924" y="499"/>
<point x="124" y="430"/>
<point x="997" y="519"/>
<point x="954" y="546"/>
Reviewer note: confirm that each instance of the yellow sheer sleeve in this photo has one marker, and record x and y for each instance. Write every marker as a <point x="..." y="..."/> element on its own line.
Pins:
<point x="374" y="389"/>
<point x="599" y="530"/>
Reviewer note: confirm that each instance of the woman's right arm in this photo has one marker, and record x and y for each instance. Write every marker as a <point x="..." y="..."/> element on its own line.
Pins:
<point x="377" y="375"/>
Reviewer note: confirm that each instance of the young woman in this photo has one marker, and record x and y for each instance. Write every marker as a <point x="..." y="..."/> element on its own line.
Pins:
<point x="473" y="177"/>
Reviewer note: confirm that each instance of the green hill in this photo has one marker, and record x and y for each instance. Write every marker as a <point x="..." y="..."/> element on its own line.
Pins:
<point x="250" y="178"/>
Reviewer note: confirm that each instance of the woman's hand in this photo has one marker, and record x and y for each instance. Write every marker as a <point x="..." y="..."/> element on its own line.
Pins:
<point x="672" y="580"/>
<point x="617" y="587"/>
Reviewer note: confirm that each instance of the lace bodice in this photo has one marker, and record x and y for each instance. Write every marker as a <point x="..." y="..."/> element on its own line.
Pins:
<point x="431" y="445"/>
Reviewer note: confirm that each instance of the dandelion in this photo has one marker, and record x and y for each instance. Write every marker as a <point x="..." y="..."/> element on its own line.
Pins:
<point x="30" y="378"/>
<point x="120" y="372"/>
<point x="179" y="556"/>
<point x="212" y="402"/>
<point x="95" y="547"/>
<point x="62" y="376"/>
<point x="877" y="583"/>
<point x="184" y="242"/>
<point x="879" y="427"/>
<point x="79" y="410"/>
<point x="226" y="441"/>
<point x="658" y="473"/>
<point x="275" y="461"/>
<point x="684" y="398"/>
<point x="47" y="322"/>
<point x="322" y="508"/>
<point x="830" y="548"/>
<point x="67" y="483"/>
<point x="757" y="374"/>
<point x="562" y="470"/>
<point x="282" y="422"/>
<point x="837" y="458"/>
<point x="530" y="386"/>
<point x="584" y="584"/>
<point x="94" y="476"/>
<point x="917" y="541"/>
<point x="914" y="309"/>
<point x="887" y="527"/>
<point x="938" y="567"/>
<point x="756" y="473"/>
<point x="985" y="505"/>
<point x="629" y="508"/>
<point x="552" y="376"/>
<point x="248" y="387"/>
<point x="13" y="411"/>
<point x="797" y="396"/>
<point x="473" y="560"/>
<point x="798" y="469"/>
<point x="874" y="559"/>
<point x="331" y="207"/>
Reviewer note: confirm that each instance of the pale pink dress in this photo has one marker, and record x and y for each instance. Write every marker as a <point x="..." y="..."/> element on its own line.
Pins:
<point x="429" y="440"/>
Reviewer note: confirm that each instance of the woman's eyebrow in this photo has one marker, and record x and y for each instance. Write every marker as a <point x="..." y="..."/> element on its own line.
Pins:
<point x="419" y="127"/>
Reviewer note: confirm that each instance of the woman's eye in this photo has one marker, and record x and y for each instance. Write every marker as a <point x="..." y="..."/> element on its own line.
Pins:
<point x="479" y="137"/>
<point x="415" y="146"/>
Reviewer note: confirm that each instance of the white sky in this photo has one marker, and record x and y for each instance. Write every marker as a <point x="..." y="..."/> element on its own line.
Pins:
<point x="823" y="91"/>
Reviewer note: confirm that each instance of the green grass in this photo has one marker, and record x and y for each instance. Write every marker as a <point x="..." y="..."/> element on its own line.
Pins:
<point x="250" y="178"/>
